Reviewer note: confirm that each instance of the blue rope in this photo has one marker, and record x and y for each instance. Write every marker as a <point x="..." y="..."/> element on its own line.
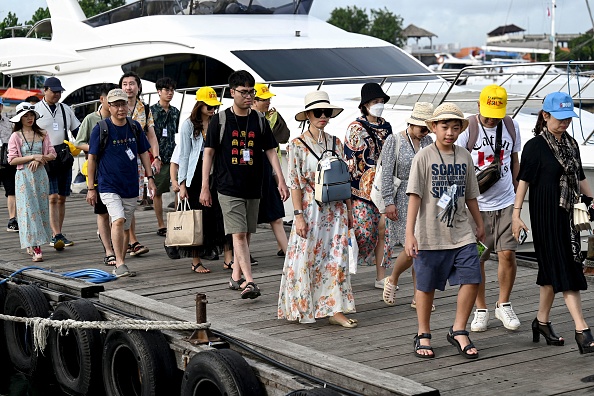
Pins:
<point x="89" y="275"/>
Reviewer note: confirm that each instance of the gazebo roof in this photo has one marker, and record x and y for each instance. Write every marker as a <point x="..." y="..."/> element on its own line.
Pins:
<point x="501" y="30"/>
<point x="416" y="32"/>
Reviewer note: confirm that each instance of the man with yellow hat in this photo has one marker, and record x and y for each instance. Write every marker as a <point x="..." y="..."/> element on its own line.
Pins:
<point x="493" y="140"/>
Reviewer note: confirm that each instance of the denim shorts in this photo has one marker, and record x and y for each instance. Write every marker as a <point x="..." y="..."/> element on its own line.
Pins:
<point x="459" y="266"/>
<point x="60" y="183"/>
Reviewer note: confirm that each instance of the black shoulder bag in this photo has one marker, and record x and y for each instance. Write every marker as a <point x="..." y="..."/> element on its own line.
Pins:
<point x="492" y="173"/>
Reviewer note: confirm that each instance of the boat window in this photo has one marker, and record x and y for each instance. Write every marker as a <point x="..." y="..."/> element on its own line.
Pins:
<point x="296" y="64"/>
<point x="143" y="8"/>
<point x="85" y="94"/>
<point x="189" y="70"/>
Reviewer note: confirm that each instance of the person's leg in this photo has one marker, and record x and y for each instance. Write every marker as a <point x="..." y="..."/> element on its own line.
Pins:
<point x="402" y="263"/>
<point x="105" y="232"/>
<point x="481" y="302"/>
<point x="158" y="206"/>
<point x="466" y="298"/>
<point x="547" y="296"/>
<point x="11" y="203"/>
<point x="380" y="270"/>
<point x="61" y="211"/>
<point x="118" y="236"/>
<point x="241" y="252"/>
<point x="573" y="301"/>
<point x="424" y="304"/>
<point x="54" y="212"/>
<point x="506" y="273"/>
<point x="132" y="231"/>
<point x="279" y="233"/>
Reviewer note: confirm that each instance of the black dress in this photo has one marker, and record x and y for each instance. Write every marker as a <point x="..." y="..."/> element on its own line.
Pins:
<point x="551" y="229"/>
<point x="271" y="205"/>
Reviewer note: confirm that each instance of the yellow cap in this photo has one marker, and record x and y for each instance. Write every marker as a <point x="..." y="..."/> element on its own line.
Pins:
<point x="493" y="101"/>
<point x="208" y="96"/>
<point x="262" y="91"/>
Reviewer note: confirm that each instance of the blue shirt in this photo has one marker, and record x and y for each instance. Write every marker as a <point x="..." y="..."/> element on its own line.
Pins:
<point x="117" y="173"/>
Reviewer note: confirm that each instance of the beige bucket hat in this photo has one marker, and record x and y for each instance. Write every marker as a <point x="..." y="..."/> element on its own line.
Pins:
<point x="422" y="111"/>
<point x="447" y="111"/>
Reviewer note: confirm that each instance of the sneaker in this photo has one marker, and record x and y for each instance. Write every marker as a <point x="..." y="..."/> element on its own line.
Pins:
<point x="253" y="261"/>
<point x="505" y="313"/>
<point x="121" y="271"/>
<point x="57" y="242"/>
<point x="12" y="226"/>
<point x="379" y="284"/>
<point x="480" y="321"/>
<point x="67" y="242"/>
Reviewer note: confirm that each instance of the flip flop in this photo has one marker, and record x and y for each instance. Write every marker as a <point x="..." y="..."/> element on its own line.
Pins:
<point x="196" y="269"/>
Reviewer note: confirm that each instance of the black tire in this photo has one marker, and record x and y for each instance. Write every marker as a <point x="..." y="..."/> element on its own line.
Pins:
<point x="76" y="354"/>
<point x="137" y="363"/>
<point x="219" y="372"/>
<point x="3" y="292"/>
<point x="314" y="392"/>
<point x="24" y="301"/>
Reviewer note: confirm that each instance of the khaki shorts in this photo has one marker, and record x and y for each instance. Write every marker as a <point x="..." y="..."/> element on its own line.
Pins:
<point x="162" y="180"/>
<point x="239" y="214"/>
<point x="498" y="231"/>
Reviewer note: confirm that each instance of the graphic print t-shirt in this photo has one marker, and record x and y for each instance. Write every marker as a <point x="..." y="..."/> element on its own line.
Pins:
<point x="238" y="174"/>
<point x="429" y="180"/>
<point x="118" y="173"/>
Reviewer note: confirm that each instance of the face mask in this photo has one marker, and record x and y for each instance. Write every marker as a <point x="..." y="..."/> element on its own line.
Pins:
<point x="376" y="110"/>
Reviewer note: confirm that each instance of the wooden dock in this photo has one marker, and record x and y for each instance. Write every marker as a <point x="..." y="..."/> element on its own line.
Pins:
<point x="376" y="356"/>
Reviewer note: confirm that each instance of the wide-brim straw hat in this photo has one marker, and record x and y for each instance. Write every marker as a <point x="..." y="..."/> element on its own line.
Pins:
<point x="317" y="100"/>
<point x="22" y="109"/>
<point x="447" y="111"/>
<point x="422" y="111"/>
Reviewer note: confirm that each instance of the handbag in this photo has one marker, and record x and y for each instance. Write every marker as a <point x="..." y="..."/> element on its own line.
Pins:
<point x="491" y="174"/>
<point x="4" y="155"/>
<point x="376" y="187"/>
<point x="64" y="159"/>
<point x="581" y="217"/>
<point x="184" y="227"/>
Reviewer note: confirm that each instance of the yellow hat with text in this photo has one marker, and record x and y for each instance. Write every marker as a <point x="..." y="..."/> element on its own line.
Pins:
<point x="208" y="96"/>
<point x="493" y="101"/>
<point x="262" y="91"/>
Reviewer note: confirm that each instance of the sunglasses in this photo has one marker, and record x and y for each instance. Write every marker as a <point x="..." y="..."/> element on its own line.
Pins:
<point x="318" y="112"/>
<point x="209" y="108"/>
<point x="28" y="107"/>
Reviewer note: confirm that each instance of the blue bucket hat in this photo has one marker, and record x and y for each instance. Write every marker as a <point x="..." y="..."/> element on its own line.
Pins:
<point x="559" y="105"/>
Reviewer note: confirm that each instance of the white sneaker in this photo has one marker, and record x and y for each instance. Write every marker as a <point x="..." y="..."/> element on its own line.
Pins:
<point x="505" y="313"/>
<point x="379" y="284"/>
<point x="480" y="321"/>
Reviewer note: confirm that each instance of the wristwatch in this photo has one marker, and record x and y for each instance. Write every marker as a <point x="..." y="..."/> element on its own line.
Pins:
<point x="159" y="158"/>
<point x="298" y="212"/>
<point x="151" y="177"/>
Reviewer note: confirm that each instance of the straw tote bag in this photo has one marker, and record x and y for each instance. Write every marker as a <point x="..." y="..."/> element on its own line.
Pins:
<point x="184" y="227"/>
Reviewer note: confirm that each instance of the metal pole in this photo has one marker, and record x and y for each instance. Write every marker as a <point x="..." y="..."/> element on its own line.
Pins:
<point x="553" y="38"/>
<point x="590" y="13"/>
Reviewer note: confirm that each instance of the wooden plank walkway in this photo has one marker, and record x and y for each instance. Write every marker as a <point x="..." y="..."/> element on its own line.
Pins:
<point x="509" y="362"/>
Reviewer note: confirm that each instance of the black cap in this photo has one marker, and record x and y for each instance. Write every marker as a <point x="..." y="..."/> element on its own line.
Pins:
<point x="372" y="91"/>
<point x="54" y="84"/>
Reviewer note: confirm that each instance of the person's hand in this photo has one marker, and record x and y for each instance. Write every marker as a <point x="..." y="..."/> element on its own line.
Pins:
<point x="517" y="225"/>
<point x="392" y="212"/>
<point x="152" y="188"/>
<point x="301" y="226"/>
<point x="205" y="198"/>
<point x="283" y="190"/>
<point x="33" y="165"/>
<point x="92" y="197"/>
<point x="40" y="158"/>
<point x="410" y="246"/>
<point x="156" y="165"/>
<point x="183" y="191"/>
<point x="175" y="186"/>
<point x="480" y="233"/>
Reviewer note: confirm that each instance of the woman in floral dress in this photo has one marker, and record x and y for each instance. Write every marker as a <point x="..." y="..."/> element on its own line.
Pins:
<point x="316" y="282"/>
<point x="29" y="149"/>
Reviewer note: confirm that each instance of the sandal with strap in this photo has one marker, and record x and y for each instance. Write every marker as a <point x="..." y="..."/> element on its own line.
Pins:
<point x="389" y="294"/>
<point x="196" y="269"/>
<point x="228" y="266"/>
<point x="236" y="284"/>
<point x="584" y="341"/>
<point x="162" y="232"/>
<point x="250" y="291"/>
<point x="417" y="346"/>
<point x="109" y="260"/>
<point x="456" y="343"/>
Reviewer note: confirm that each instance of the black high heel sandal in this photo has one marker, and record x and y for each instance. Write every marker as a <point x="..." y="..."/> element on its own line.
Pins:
<point x="546" y="329"/>
<point x="584" y="341"/>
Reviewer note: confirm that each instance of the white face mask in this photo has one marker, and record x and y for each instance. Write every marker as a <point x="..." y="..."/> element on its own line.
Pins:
<point x="376" y="110"/>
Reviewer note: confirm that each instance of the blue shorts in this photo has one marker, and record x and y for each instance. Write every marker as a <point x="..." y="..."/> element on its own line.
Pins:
<point x="459" y="266"/>
<point x="60" y="183"/>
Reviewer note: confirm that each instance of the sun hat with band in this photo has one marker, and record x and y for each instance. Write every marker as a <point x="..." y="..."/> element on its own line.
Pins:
<point x="446" y="112"/>
<point x="493" y="101"/>
<point x="421" y="112"/>
<point x="559" y="105"/>
<point x="317" y="100"/>
<point x="208" y="96"/>
<point x="22" y="109"/>
<point x="262" y="91"/>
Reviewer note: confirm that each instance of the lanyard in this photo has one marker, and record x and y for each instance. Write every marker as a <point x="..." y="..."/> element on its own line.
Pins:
<point x="443" y="163"/>
<point x="53" y="113"/>
<point x="413" y="146"/>
<point x="27" y="143"/>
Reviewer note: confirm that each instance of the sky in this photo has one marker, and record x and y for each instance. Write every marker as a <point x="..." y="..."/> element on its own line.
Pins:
<point x="466" y="23"/>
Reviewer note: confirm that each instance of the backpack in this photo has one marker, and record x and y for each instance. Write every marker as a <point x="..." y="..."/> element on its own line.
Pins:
<point x="376" y="188"/>
<point x="473" y="131"/>
<point x="104" y="135"/>
<point x="332" y="179"/>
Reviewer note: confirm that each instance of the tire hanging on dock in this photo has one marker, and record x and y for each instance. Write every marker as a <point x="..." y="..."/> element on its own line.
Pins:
<point x="219" y="372"/>
<point x="138" y="363"/>
<point x="76" y="353"/>
<point x="3" y="292"/>
<point x="25" y="301"/>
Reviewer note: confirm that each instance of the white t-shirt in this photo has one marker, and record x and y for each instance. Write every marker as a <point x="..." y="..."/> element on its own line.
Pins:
<point x="48" y="120"/>
<point x="175" y="155"/>
<point x="501" y="194"/>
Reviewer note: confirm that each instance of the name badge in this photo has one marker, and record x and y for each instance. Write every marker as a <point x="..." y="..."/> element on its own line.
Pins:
<point x="325" y="164"/>
<point x="164" y="132"/>
<point x="444" y="201"/>
<point x="246" y="155"/>
<point x="130" y="154"/>
<point x="55" y="126"/>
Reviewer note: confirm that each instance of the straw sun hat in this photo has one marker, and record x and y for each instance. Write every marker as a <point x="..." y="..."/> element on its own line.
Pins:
<point x="447" y="111"/>
<point x="317" y="100"/>
<point x="421" y="112"/>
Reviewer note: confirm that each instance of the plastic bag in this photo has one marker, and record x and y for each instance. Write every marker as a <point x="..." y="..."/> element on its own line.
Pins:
<point x="353" y="252"/>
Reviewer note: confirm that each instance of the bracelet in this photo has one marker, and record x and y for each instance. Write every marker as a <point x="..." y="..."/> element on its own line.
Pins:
<point x="91" y="189"/>
<point x="520" y="208"/>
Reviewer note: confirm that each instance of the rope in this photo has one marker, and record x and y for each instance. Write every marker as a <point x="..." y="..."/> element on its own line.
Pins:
<point x="41" y="326"/>
<point x="89" y="275"/>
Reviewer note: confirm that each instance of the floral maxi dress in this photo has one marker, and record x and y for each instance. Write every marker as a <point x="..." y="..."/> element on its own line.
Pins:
<point x="315" y="282"/>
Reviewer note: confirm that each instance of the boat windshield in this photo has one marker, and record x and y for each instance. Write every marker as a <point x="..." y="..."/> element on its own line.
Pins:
<point x="319" y="63"/>
<point x="141" y="8"/>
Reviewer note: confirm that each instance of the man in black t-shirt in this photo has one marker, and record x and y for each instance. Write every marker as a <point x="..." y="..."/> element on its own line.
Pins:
<point x="238" y="156"/>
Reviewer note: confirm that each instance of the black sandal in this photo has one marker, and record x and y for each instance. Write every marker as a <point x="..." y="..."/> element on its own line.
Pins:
<point x="236" y="284"/>
<point x="197" y="267"/>
<point x="162" y="232"/>
<point x="250" y="291"/>
<point x="228" y="266"/>
<point x="546" y="329"/>
<point x="109" y="260"/>
<point x="456" y="343"/>
<point x="418" y="346"/>
<point x="584" y="341"/>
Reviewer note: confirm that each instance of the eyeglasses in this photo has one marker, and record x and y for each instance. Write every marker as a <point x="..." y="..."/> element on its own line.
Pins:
<point x="119" y="106"/>
<point x="246" y="94"/>
<point x="262" y="100"/>
<point x="168" y="90"/>
<point x="318" y="112"/>
<point x="209" y="108"/>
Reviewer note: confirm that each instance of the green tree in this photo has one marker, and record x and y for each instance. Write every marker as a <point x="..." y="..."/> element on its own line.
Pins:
<point x="94" y="7"/>
<point x="387" y="26"/>
<point x="39" y="15"/>
<point x="9" y="21"/>
<point x="353" y="19"/>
